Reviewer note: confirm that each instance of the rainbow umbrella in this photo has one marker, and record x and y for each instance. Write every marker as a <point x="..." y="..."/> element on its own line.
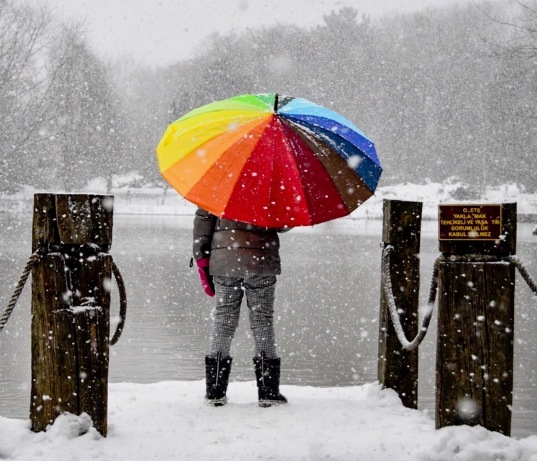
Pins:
<point x="269" y="160"/>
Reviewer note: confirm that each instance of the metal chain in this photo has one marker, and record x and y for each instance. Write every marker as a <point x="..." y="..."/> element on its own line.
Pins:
<point x="396" y="321"/>
<point x="34" y="257"/>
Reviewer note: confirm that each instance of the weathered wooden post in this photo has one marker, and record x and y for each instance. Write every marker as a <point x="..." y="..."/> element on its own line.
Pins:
<point x="70" y="307"/>
<point x="474" y="368"/>
<point x="397" y="367"/>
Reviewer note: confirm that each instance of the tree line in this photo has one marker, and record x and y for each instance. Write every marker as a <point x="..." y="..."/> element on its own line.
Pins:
<point x="443" y="93"/>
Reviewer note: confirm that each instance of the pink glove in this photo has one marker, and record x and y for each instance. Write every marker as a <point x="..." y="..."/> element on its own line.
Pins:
<point x="205" y="278"/>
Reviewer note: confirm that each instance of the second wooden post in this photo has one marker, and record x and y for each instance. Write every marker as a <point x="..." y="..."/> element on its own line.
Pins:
<point x="397" y="367"/>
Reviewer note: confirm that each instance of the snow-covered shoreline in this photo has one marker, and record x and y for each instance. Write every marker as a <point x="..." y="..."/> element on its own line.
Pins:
<point x="158" y="202"/>
<point x="169" y="421"/>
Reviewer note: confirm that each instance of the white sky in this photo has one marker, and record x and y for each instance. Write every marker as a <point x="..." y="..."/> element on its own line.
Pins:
<point x="164" y="31"/>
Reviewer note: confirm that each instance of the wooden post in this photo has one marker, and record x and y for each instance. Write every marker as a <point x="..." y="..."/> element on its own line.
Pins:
<point x="474" y="367"/>
<point x="397" y="367"/>
<point x="71" y="307"/>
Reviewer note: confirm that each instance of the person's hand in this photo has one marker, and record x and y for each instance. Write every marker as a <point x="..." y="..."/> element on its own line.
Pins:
<point x="205" y="278"/>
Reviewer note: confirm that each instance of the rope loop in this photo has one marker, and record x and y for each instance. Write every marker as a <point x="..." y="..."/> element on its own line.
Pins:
<point x="34" y="257"/>
<point x="394" y="315"/>
<point x="388" y="291"/>
<point x="122" y="303"/>
<point x="515" y="260"/>
<point x="524" y="273"/>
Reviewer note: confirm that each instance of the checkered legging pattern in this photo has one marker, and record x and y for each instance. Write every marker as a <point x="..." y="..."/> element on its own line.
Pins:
<point x="229" y="292"/>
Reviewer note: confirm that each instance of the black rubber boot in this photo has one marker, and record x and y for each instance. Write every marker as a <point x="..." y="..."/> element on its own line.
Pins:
<point x="217" y="376"/>
<point x="267" y="372"/>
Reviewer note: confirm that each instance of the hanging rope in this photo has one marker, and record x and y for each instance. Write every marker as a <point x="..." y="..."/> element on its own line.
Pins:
<point x="524" y="273"/>
<point x="24" y="277"/>
<point x="122" y="303"/>
<point x="491" y="258"/>
<point x="34" y="257"/>
<point x="394" y="315"/>
<point x="92" y="247"/>
<point x="388" y="291"/>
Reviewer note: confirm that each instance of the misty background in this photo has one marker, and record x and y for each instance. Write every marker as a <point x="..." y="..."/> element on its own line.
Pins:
<point x="443" y="92"/>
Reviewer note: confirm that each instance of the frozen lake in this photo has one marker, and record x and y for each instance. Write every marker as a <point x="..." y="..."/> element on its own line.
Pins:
<point x="327" y="303"/>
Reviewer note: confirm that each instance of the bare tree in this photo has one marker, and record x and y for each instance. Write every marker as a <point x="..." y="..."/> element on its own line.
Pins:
<point x="83" y="113"/>
<point x="514" y="96"/>
<point x="25" y="35"/>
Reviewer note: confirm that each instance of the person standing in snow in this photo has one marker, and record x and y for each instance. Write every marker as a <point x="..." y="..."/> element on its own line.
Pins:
<point x="233" y="259"/>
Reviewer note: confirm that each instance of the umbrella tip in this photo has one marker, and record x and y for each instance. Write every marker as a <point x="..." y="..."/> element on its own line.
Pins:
<point x="275" y="102"/>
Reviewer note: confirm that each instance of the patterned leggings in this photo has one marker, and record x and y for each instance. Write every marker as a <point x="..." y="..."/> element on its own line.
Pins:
<point x="260" y="300"/>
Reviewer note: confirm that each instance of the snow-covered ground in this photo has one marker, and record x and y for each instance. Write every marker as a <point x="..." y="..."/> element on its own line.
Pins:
<point x="169" y="421"/>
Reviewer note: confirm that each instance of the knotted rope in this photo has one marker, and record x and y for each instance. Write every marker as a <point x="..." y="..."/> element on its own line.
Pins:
<point x="394" y="315"/>
<point x="122" y="303"/>
<point x="34" y="257"/>
<point x="524" y="273"/>
<point x="428" y="311"/>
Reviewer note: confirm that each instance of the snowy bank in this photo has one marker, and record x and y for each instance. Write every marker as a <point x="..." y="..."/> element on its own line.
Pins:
<point x="169" y="421"/>
<point x="157" y="201"/>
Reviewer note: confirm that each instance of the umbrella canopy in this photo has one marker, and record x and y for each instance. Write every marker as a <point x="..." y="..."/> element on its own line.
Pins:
<point x="269" y="160"/>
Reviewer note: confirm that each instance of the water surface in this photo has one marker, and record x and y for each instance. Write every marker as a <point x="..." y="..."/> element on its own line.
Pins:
<point x="327" y="304"/>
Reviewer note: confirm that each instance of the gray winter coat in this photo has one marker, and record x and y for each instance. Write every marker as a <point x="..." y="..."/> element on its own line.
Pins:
<point x="236" y="249"/>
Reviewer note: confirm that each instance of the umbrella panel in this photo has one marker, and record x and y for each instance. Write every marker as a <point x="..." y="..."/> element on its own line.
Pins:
<point x="351" y="187"/>
<point x="243" y="103"/>
<point x="336" y="130"/>
<point x="364" y="167"/>
<point x="184" y="137"/>
<point x="269" y="191"/>
<point x="212" y="191"/>
<point x="189" y="170"/>
<point x="284" y="182"/>
<point x="322" y="196"/>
